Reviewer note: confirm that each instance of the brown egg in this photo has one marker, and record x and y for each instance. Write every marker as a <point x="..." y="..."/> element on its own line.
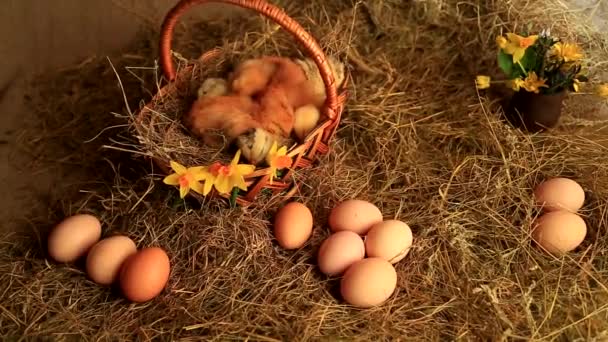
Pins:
<point x="368" y="282"/>
<point x="144" y="274"/>
<point x="339" y="251"/>
<point x="293" y="225"/>
<point x="390" y="240"/>
<point x="559" y="194"/>
<point x="107" y="256"/>
<point x="354" y="215"/>
<point x="559" y="231"/>
<point x="73" y="237"/>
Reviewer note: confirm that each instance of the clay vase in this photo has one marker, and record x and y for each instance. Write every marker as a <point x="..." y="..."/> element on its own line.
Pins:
<point x="535" y="112"/>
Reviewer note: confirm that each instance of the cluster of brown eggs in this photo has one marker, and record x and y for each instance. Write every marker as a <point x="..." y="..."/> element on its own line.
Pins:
<point x="559" y="229"/>
<point x="362" y="248"/>
<point x="142" y="274"/>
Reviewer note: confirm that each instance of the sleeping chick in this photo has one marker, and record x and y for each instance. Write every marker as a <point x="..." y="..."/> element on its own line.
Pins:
<point x="251" y="76"/>
<point x="275" y="113"/>
<point x="291" y="79"/>
<point x="255" y="77"/>
<point x="306" y="119"/>
<point x="314" y="76"/>
<point x="280" y="85"/>
<point x="255" y="144"/>
<point x="213" y="87"/>
<point x="221" y="119"/>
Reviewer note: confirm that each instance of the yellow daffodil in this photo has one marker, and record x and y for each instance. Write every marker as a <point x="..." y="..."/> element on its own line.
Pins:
<point x="277" y="159"/>
<point x="186" y="178"/>
<point x="482" y="82"/>
<point x="602" y="90"/>
<point x="501" y="42"/>
<point x="566" y="52"/>
<point x="533" y="84"/>
<point x="517" y="45"/>
<point x="516" y="83"/>
<point x="226" y="177"/>
<point x="576" y="85"/>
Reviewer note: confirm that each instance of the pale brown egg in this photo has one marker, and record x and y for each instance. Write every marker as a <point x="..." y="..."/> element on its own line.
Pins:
<point x="106" y="257"/>
<point x="293" y="225"/>
<point x="355" y="215"/>
<point x="73" y="237"/>
<point x="390" y="240"/>
<point x="559" y="231"/>
<point x="339" y="251"/>
<point x="144" y="274"/>
<point x="368" y="282"/>
<point x="559" y="194"/>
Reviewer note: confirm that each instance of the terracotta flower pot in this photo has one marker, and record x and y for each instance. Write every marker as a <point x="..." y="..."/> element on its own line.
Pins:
<point x="535" y="112"/>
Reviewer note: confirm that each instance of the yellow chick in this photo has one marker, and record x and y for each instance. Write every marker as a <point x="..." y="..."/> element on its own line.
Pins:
<point x="314" y="76"/>
<point x="256" y="143"/>
<point x="306" y="119"/>
<point x="213" y="87"/>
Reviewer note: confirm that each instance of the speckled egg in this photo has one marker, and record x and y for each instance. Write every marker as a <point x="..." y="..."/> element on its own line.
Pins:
<point x="355" y="215"/>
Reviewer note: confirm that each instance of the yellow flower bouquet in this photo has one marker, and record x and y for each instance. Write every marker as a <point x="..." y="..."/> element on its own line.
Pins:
<point x="226" y="180"/>
<point x="541" y="69"/>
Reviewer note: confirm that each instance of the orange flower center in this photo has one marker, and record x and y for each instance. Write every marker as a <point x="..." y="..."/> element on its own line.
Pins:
<point x="183" y="180"/>
<point x="282" y="162"/>
<point x="218" y="169"/>
<point x="526" y="42"/>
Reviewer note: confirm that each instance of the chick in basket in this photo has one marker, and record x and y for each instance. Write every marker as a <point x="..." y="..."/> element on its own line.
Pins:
<point x="265" y="100"/>
<point x="218" y="117"/>
<point x="290" y="92"/>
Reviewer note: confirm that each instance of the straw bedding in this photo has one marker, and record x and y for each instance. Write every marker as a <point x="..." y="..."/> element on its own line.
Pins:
<point x="417" y="139"/>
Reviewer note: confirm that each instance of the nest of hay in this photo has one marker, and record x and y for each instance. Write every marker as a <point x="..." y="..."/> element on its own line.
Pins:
<point x="418" y="140"/>
<point x="160" y="129"/>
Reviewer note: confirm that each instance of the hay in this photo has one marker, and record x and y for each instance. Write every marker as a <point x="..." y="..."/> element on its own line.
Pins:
<point x="417" y="139"/>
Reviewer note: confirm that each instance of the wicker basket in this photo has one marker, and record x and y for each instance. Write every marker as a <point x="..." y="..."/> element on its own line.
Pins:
<point x="304" y="154"/>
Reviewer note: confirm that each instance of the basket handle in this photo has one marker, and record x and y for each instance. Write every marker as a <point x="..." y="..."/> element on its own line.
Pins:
<point x="270" y="11"/>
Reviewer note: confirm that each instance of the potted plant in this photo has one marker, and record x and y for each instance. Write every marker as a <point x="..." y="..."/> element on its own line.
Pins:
<point x="541" y="69"/>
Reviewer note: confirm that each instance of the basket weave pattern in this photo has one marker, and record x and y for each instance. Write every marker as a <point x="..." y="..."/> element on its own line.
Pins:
<point x="304" y="154"/>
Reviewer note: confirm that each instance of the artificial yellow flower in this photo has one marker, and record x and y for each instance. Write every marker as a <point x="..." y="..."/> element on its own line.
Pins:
<point x="501" y="42"/>
<point x="277" y="159"/>
<point x="225" y="177"/>
<point x="533" y="84"/>
<point x="482" y="82"/>
<point x="186" y="178"/>
<point x="517" y="45"/>
<point x="516" y="83"/>
<point x="602" y="90"/>
<point x="566" y="52"/>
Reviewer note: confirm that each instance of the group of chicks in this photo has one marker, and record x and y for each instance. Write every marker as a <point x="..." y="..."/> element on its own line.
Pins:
<point x="264" y="100"/>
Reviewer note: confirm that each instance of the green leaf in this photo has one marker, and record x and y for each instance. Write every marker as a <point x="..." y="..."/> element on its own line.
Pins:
<point x="530" y="61"/>
<point x="233" y="195"/>
<point x="505" y="63"/>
